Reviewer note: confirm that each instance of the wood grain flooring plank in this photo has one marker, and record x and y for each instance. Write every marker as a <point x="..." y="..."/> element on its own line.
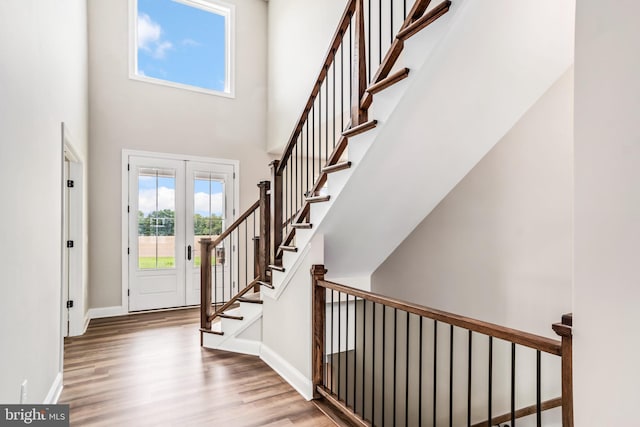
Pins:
<point x="149" y="370"/>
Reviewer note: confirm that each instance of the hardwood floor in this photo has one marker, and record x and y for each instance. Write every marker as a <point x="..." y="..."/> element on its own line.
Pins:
<point x="149" y="370"/>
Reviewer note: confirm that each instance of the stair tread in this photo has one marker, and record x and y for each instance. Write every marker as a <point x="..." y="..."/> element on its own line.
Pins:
<point x="230" y="316"/>
<point x="276" y="267"/>
<point x="424" y="21"/>
<point x="211" y="331"/>
<point x="266" y="284"/>
<point x="337" y="167"/>
<point x="318" y="199"/>
<point x="289" y="248"/>
<point x="301" y="225"/>
<point x="356" y="130"/>
<point x="250" y="300"/>
<point x="388" y="81"/>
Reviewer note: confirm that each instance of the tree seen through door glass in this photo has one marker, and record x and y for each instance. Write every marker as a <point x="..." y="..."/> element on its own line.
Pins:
<point x="208" y="216"/>
<point x="156" y="219"/>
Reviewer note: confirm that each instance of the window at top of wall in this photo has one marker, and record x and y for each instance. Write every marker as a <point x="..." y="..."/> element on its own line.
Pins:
<point x="183" y="43"/>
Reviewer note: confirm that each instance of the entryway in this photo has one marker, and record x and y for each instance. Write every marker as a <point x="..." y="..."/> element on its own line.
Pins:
<point x="172" y="203"/>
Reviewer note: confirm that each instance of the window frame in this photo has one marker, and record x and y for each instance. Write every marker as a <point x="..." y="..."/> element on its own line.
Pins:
<point x="226" y="10"/>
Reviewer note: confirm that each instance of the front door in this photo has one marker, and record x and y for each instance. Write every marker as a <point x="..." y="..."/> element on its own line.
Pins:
<point x="171" y="204"/>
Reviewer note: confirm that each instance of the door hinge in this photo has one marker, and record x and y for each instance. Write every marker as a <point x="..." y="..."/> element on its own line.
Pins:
<point x="70" y="304"/>
<point x="70" y="183"/>
<point x="234" y="211"/>
<point x="128" y="166"/>
<point x="128" y="292"/>
<point x="128" y="251"/>
<point x="69" y="243"/>
<point x="234" y="175"/>
<point x="128" y="209"/>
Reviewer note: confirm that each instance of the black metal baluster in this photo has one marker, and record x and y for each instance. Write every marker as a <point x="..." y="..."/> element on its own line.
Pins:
<point x="490" y="376"/>
<point x="379" y="32"/>
<point x="538" y="390"/>
<point x="333" y="363"/>
<point x="223" y="248"/>
<point x="469" y="380"/>
<point x="395" y="361"/>
<point x="346" y="368"/>
<point x="355" y="347"/>
<point x="308" y="169"/>
<point x="451" y="377"/>
<point x="342" y="85"/>
<point x="369" y="72"/>
<point x="339" y="342"/>
<point x="295" y="180"/>
<point x="313" y="143"/>
<point x="326" y="119"/>
<point x="351" y="68"/>
<point x="435" y="371"/>
<point x="420" y="375"/>
<point x="334" y="100"/>
<point x="391" y="21"/>
<point x="364" y="352"/>
<point x="406" y="382"/>
<point x="513" y="384"/>
<point x="319" y="129"/>
<point x="373" y="366"/>
<point x="215" y="279"/>
<point x="384" y="352"/>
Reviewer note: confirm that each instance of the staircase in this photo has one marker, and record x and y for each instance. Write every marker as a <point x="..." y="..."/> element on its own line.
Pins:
<point x="352" y="162"/>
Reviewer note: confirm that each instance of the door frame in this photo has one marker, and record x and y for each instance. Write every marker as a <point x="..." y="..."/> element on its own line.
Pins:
<point x="124" y="308"/>
<point x="73" y="277"/>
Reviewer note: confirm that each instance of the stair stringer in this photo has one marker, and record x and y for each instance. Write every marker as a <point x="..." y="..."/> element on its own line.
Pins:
<point x="479" y="80"/>
<point x="383" y="106"/>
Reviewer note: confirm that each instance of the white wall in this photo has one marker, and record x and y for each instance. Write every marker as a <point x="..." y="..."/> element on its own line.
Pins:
<point x="43" y="82"/>
<point x="607" y="214"/>
<point x="299" y="34"/>
<point x="130" y="114"/>
<point x="498" y="247"/>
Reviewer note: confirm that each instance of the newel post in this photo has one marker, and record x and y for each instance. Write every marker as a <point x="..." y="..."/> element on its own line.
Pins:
<point x="276" y="211"/>
<point x="265" y="225"/>
<point x="564" y="331"/>
<point x="359" y="66"/>
<point x="205" y="283"/>
<point x="319" y="294"/>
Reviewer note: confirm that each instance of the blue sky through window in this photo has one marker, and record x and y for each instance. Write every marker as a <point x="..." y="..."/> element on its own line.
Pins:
<point x="158" y="193"/>
<point x="181" y="44"/>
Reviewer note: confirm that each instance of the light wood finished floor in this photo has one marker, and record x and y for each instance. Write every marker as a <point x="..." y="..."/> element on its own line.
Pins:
<point x="149" y="370"/>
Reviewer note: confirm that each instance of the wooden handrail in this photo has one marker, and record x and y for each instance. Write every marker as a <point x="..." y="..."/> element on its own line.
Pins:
<point x="344" y="23"/>
<point x="233" y="300"/>
<point x="521" y="413"/>
<point x="233" y="226"/>
<point x="526" y="339"/>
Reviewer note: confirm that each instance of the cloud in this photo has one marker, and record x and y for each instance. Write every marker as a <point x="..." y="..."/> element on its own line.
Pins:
<point x="147" y="199"/>
<point x="190" y="42"/>
<point x="202" y="203"/>
<point x="150" y="37"/>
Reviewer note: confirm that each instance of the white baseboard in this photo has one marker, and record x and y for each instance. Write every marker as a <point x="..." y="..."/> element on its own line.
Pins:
<point x="87" y="319"/>
<point x="239" y="345"/>
<point x="54" y="392"/>
<point x="295" y="378"/>
<point x="100" y="312"/>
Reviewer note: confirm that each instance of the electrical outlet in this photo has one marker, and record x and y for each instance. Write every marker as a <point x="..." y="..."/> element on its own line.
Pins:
<point x="23" y="392"/>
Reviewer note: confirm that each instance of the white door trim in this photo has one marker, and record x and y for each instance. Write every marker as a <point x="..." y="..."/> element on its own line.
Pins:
<point x="76" y="273"/>
<point x="124" y="307"/>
